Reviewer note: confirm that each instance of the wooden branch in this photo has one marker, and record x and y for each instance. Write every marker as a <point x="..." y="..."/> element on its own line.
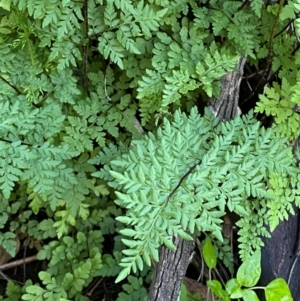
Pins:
<point x="16" y="263"/>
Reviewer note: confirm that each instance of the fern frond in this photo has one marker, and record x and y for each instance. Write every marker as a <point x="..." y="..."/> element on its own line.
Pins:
<point x="181" y="180"/>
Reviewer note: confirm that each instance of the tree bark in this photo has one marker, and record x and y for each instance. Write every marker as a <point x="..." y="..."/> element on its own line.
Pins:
<point x="279" y="255"/>
<point x="226" y="106"/>
<point x="170" y="271"/>
<point x="172" y="266"/>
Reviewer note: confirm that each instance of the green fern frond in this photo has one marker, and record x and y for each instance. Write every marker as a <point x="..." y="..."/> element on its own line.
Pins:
<point x="182" y="179"/>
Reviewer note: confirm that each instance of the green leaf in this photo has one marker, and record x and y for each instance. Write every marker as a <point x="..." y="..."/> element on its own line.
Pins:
<point x="168" y="243"/>
<point x="123" y="274"/>
<point x="233" y="288"/>
<point x="183" y="293"/>
<point x="249" y="272"/>
<point x="124" y="219"/>
<point x="128" y="232"/>
<point x="5" y="4"/>
<point x="209" y="253"/>
<point x="249" y="295"/>
<point x="184" y="235"/>
<point x="47" y="228"/>
<point x="278" y="290"/>
<point x="217" y="289"/>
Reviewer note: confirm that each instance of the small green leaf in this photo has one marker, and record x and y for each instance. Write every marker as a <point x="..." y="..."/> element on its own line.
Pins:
<point x="249" y="272"/>
<point x="146" y="258"/>
<point x="139" y="262"/>
<point x="217" y="289"/>
<point x="161" y="12"/>
<point x="123" y="274"/>
<point x="250" y="295"/>
<point x="233" y="288"/>
<point x="124" y="219"/>
<point x="184" y="235"/>
<point x="168" y="243"/>
<point x="209" y="253"/>
<point x="128" y="232"/>
<point x="278" y="290"/>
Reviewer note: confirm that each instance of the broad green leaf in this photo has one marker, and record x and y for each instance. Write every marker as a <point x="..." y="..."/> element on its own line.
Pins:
<point x="249" y="272"/>
<point x="278" y="290"/>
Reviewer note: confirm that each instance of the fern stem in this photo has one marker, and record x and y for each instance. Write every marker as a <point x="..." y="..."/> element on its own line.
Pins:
<point x="29" y="47"/>
<point x="12" y="86"/>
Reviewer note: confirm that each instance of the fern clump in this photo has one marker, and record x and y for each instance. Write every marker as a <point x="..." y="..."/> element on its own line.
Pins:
<point x="280" y="100"/>
<point x="78" y="79"/>
<point x="182" y="180"/>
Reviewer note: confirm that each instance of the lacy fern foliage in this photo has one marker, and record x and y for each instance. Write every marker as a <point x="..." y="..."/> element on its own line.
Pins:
<point x="76" y="77"/>
<point x="181" y="180"/>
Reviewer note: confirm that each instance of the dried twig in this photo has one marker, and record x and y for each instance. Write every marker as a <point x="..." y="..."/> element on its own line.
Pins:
<point x="16" y="263"/>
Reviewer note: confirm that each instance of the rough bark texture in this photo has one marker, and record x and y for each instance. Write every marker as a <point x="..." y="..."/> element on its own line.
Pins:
<point x="171" y="269"/>
<point x="226" y="106"/>
<point x="279" y="256"/>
